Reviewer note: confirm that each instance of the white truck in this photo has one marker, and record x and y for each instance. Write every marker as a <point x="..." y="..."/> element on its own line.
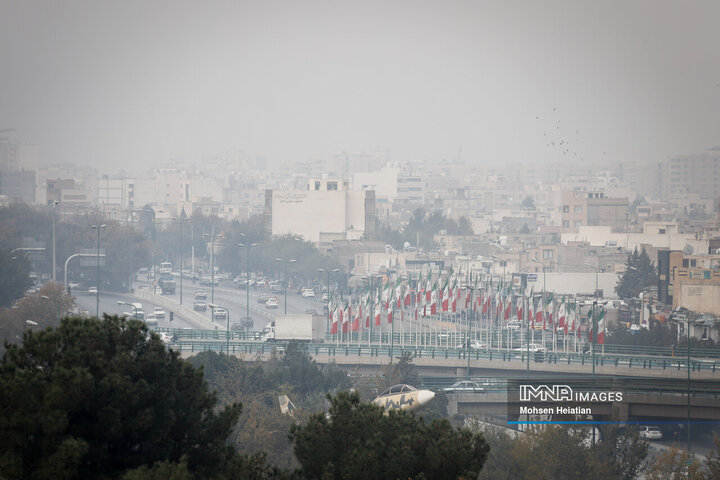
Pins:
<point x="301" y="327"/>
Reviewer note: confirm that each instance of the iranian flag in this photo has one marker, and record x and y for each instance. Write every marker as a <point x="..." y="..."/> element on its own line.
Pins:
<point x="398" y="292"/>
<point x="562" y="313"/>
<point x="539" y="317"/>
<point x="356" y="319"/>
<point x="486" y="304"/>
<point x="549" y="309"/>
<point x="390" y="315"/>
<point x="386" y="294"/>
<point x="420" y="290"/>
<point x="378" y="310"/>
<point x="346" y="319"/>
<point x="600" y="327"/>
<point x="519" y="308"/>
<point x="445" y="296"/>
<point x="428" y="291"/>
<point x="467" y="299"/>
<point x="434" y="300"/>
<point x="508" y="306"/>
<point x="570" y="319"/>
<point x="334" y="321"/>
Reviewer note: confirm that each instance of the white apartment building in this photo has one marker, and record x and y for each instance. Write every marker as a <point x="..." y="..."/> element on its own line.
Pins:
<point x="327" y="206"/>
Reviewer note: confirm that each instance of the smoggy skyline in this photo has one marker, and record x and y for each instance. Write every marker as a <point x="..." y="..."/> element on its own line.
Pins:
<point x="133" y="84"/>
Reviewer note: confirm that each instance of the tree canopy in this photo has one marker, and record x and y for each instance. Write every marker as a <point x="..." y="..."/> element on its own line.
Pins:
<point x="423" y="226"/>
<point x="358" y="441"/>
<point x="98" y="398"/>
<point x="15" y="278"/>
<point x="640" y="273"/>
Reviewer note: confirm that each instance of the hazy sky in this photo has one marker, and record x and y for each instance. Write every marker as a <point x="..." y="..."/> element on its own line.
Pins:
<point x="135" y="83"/>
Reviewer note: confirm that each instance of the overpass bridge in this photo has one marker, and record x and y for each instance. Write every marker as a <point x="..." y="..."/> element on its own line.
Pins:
<point x="453" y="362"/>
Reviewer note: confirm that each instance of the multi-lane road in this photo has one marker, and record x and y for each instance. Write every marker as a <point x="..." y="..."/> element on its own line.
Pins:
<point x="225" y="295"/>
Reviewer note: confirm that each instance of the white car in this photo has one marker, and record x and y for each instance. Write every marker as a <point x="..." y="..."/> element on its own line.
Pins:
<point x="650" y="432"/>
<point x="308" y="293"/>
<point x="533" y="348"/>
<point x="159" y="312"/>
<point x="92" y="291"/>
<point x="272" y="303"/>
<point x="220" y="314"/>
<point x="464" y="386"/>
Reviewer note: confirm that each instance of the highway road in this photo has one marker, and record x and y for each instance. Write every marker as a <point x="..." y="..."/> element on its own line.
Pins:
<point x="227" y="296"/>
<point x="108" y="304"/>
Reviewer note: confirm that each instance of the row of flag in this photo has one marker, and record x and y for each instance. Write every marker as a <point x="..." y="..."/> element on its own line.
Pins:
<point x="429" y="298"/>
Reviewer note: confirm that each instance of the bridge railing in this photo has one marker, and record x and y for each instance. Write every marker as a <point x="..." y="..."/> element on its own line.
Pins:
<point x="217" y="341"/>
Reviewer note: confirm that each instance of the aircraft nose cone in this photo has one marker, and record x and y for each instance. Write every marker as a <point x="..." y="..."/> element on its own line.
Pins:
<point x="425" y="396"/>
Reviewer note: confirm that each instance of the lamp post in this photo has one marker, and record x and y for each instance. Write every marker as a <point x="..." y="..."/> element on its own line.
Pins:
<point x="285" y="262"/>
<point x="503" y="263"/>
<point x="212" y="236"/>
<point x="247" y="280"/>
<point x="597" y="273"/>
<point x="135" y="313"/>
<point x="97" y="294"/>
<point x="54" y="267"/>
<point x="227" y="332"/>
<point x="183" y="219"/>
<point x="327" y="317"/>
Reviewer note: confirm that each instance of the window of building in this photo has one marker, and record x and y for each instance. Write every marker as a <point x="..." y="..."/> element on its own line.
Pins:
<point x="547" y="254"/>
<point x="332" y="185"/>
<point x="577" y="223"/>
<point x="566" y="208"/>
<point x="317" y="185"/>
<point x="566" y="223"/>
<point x="577" y="208"/>
<point x="661" y="231"/>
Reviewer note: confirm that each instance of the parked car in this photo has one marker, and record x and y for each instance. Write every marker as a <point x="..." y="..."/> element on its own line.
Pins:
<point x="308" y="293"/>
<point x="464" y="386"/>
<point x="199" y="306"/>
<point x="201" y="295"/>
<point x="272" y="303"/>
<point x="650" y="432"/>
<point x="158" y="312"/>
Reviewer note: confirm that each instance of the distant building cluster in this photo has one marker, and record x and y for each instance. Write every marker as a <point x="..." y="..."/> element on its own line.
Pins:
<point x="565" y="226"/>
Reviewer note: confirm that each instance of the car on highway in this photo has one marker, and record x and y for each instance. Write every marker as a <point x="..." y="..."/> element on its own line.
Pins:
<point x="533" y="348"/>
<point x="464" y="386"/>
<point x="311" y="311"/>
<point x="272" y="303"/>
<point x="92" y="291"/>
<point x="199" y="306"/>
<point x="477" y="345"/>
<point x="650" y="432"/>
<point x="220" y="314"/>
<point x="158" y="312"/>
<point x="201" y="295"/>
<point x="263" y="299"/>
<point x="151" y="321"/>
<point x="308" y="293"/>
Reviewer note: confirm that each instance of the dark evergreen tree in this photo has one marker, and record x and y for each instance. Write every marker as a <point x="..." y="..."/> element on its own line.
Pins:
<point x="640" y="273"/>
<point x="97" y="398"/>
<point x="358" y="441"/>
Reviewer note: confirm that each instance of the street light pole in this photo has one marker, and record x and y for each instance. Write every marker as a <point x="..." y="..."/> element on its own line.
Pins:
<point x="212" y="262"/>
<point x="285" y="282"/>
<point x="97" y="279"/>
<point x="54" y="267"/>
<point x="247" y="281"/>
